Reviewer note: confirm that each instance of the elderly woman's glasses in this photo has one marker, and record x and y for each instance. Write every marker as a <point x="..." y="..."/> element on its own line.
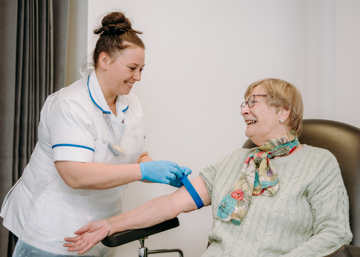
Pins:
<point x="251" y="101"/>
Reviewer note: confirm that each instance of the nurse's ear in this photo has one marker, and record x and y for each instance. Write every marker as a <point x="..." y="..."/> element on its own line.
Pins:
<point x="104" y="60"/>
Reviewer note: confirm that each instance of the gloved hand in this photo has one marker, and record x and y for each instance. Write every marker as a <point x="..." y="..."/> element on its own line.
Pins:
<point x="160" y="171"/>
<point x="177" y="182"/>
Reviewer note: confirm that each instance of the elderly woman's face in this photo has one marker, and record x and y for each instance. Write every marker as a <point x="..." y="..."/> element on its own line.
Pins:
<point x="261" y="119"/>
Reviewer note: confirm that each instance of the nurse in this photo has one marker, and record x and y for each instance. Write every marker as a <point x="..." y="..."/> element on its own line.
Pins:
<point x="91" y="145"/>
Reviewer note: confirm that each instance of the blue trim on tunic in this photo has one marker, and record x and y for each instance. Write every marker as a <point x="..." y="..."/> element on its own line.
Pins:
<point x="125" y="109"/>
<point x="92" y="99"/>
<point x="72" y="145"/>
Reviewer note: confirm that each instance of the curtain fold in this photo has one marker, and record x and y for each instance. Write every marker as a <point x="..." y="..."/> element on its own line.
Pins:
<point x="33" y="47"/>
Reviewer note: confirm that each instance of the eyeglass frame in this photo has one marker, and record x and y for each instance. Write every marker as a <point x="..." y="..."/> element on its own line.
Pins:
<point x="247" y="102"/>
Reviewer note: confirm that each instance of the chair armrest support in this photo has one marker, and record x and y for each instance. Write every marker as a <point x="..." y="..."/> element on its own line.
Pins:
<point x="128" y="236"/>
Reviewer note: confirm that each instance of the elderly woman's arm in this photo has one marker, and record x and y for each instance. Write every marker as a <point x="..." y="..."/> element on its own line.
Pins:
<point x="330" y="206"/>
<point x="148" y="214"/>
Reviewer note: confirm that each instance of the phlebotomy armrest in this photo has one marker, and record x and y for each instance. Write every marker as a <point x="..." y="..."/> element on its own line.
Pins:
<point x="128" y="236"/>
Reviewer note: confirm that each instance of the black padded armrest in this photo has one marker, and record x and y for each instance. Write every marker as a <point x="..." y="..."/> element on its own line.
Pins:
<point x="346" y="251"/>
<point x="128" y="236"/>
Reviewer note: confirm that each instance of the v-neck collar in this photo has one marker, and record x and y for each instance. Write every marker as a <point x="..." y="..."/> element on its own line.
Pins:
<point x="98" y="98"/>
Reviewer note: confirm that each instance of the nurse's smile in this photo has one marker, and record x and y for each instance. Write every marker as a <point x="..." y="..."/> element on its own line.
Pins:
<point x="118" y="75"/>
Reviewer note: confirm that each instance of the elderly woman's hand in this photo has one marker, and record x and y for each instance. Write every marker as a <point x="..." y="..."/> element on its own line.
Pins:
<point x="87" y="236"/>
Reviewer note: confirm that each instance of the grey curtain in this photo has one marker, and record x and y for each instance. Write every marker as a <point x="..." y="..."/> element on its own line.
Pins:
<point x="33" y="51"/>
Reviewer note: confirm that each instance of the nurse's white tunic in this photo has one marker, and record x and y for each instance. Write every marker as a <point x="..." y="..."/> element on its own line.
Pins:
<point x="41" y="209"/>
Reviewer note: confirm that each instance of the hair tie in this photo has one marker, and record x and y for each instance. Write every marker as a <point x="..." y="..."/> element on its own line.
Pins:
<point x="120" y="31"/>
<point x="112" y="30"/>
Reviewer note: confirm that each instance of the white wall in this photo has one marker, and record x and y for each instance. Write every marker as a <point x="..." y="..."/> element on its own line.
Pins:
<point x="200" y="57"/>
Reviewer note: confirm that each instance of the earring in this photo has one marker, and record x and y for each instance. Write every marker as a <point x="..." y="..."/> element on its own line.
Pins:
<point x="280" y="121"/>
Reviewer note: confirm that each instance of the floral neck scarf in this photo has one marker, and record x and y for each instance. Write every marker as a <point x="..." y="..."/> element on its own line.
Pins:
<point x="258" y="177"/>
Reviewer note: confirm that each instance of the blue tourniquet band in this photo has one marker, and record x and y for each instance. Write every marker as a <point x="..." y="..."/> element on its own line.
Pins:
<point x="199" y="203"/>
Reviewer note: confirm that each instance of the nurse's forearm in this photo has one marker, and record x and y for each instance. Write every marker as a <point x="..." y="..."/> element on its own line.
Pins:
<point x="80" y="175"/>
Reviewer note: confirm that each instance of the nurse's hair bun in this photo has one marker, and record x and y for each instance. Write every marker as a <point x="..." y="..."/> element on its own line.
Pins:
<point x="116" y="34"/>
<point x="115" y="23"/>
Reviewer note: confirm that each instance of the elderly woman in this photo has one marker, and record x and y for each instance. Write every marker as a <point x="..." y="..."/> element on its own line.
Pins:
<point x="288" y="199"/>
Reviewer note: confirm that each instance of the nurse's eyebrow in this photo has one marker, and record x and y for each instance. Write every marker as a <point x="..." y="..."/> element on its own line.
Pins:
<point x="135" y="64"/>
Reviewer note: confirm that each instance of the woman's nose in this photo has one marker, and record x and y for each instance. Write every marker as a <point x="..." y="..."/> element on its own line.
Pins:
<point x="137" y="76"/>
<point x="245" y="110"/>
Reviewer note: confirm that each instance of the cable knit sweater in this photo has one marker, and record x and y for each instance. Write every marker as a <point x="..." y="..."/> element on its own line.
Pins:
<point x="309" y="215"/>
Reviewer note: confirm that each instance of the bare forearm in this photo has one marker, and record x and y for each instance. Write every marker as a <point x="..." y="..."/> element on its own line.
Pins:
<point x="160" y="209"/>
<point x="97" y="176"/>
<point x="148" y="214"/>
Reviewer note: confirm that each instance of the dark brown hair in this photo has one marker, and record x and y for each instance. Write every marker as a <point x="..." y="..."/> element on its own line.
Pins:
<point x="116" y="34"/>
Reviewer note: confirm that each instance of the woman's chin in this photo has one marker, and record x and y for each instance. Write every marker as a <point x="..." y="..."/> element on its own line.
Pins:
<point x="254" y="139"/>
<point x="249" y="134"/>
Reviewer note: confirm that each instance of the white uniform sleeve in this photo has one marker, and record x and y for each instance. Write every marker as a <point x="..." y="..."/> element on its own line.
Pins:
<point x="70" y="131"/>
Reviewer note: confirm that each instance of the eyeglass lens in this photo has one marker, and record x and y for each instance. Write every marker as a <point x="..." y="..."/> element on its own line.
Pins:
<point x="250" y="102"/>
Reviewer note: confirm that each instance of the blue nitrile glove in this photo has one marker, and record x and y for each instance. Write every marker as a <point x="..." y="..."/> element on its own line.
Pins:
<point x="160" y="171"/>
<point x="177" y="182"/>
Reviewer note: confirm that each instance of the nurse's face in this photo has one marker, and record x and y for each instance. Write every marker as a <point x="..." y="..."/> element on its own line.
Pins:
<point x="125" y="70"/>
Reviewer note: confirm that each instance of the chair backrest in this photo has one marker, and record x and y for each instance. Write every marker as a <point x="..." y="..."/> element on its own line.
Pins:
<point x="343" y="141"/>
